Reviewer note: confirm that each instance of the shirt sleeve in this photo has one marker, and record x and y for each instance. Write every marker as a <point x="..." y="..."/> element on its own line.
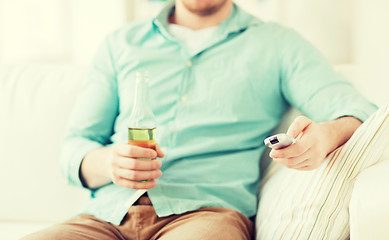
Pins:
<point x="310" y="84"/>
<point x="92" y="120"/>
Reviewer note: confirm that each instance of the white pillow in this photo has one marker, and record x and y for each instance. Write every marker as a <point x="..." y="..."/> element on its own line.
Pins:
<point x="314" y="204"/>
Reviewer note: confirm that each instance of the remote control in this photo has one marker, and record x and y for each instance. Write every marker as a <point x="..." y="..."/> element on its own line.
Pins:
<point x="279" y="141"/>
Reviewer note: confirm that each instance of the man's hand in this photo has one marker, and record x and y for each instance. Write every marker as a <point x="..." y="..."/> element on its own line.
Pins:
<point x="127" y="170"/>
<point x="119" y="164"/>
<point x="316" y="142"/>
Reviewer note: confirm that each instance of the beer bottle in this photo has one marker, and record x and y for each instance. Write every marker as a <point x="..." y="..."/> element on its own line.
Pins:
<point x="142" y="123"/>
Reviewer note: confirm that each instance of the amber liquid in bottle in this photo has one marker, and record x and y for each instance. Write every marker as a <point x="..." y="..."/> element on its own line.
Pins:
<point x="142" y="137"/>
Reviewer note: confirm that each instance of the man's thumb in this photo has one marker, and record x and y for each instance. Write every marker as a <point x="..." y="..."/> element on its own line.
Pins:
<point x="298" y="125"/>
<point x="159" y="151"/>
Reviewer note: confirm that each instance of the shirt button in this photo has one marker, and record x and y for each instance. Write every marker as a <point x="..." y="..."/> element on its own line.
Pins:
<point x="189" y="63"/>
<point x="184" y="98"/>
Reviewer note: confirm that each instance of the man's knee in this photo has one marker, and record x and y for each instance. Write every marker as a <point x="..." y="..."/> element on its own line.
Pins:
<point x="53" y="233"/>
<point x="80" y="228"/>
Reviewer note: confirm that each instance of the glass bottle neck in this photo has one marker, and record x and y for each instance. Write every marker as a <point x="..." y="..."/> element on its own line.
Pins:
<point x="141" y="94"/>
<point x="142" y="116"/>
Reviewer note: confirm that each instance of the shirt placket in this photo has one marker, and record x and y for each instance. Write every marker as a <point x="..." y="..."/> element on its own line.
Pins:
<point x="182" y="97"/>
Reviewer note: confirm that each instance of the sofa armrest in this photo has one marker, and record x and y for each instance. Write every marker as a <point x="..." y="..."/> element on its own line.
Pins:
<point x="369" y="206"/>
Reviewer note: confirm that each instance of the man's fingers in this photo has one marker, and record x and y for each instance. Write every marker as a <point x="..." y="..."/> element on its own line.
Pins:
<point x="135" y="167"/>
<point x="126" y="150"/>
<point x="298" y="125"/>
<point x="138" y="164"/>
<point x="293" y="161"/>
<point x="135" y="185"/>
<point x="133" y="175"/>
<point x="305" y="168"/>
<point x="300" y="164"/>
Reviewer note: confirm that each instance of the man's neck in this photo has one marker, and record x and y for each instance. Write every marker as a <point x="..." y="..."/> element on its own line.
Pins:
<point x="182" y="16"/>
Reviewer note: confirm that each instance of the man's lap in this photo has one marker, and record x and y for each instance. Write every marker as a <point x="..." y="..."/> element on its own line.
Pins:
<point x="141" y="222"/>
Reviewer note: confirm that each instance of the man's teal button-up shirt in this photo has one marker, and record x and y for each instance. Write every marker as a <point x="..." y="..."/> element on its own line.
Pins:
<point x="213" y="108"/>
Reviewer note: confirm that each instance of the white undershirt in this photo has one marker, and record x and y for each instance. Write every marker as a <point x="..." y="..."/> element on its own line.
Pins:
<point x="193" y="39"/>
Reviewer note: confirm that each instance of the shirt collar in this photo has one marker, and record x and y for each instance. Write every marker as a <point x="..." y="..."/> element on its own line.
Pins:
<point x="236" y="22"/>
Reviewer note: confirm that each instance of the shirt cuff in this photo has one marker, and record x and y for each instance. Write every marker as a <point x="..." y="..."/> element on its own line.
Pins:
<point x="72" y="153"/>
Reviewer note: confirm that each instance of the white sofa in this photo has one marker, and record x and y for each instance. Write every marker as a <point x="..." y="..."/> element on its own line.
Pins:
<point x="35" y="101"/>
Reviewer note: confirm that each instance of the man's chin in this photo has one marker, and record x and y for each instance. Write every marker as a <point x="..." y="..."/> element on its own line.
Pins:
<point x="203" y="9"/>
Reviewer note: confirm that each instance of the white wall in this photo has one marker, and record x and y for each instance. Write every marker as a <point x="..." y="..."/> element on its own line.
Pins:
<point x="30" y="29"/>
<point x="56" y="30"/>
<point x="63" y="30"/>
<point x="326" y="23"/>
<point x="371" y="46"/>
<point x="268" y="10"/>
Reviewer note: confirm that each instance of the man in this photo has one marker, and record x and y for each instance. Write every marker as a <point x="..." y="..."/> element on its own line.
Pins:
<point x="220" y="82"/>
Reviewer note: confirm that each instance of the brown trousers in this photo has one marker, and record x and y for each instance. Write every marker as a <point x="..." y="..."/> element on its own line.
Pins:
<point x="142" y="223"/>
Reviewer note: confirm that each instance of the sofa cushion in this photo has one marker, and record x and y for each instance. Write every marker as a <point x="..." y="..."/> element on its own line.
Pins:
<point x="35" y="101"/>
<point x="369" y="209"/>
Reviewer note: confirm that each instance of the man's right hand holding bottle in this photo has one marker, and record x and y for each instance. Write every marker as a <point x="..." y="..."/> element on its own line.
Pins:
<point x="122" y="165"/>
<point x="131" y="168"/>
